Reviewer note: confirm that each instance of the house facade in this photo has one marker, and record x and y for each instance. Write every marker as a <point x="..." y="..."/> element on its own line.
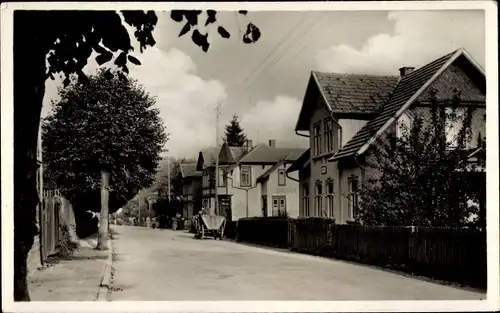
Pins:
<point x="206" y="165"/>
<point x="256" y="183"/>
<point x="344" y="114"/>
<point x="191" y="190"/>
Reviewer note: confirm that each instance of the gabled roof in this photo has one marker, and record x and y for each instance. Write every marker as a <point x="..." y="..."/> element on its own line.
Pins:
<point x="345" y="94"/>
<point x="408" y="89"/>
<point x="354" y="93"/>
<point x="189" y="170"/>
<point x="207" y="157"/>
<point x="300" y="162"/>
<point x="263" y="153"/>
<point x="230" y="155"/>
<point x="268" y="173"/>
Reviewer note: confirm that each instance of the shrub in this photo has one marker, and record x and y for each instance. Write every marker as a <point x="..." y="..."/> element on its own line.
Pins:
<point x="230" y="230"/>
<point x="66" y="245"/>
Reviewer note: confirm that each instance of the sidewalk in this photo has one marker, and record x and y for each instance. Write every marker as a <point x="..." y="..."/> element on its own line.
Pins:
<point x="73" y="279"/>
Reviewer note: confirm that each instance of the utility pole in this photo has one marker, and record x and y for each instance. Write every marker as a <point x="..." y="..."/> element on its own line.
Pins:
<point x="216" y="202"/>
<point x="168" y="178"/>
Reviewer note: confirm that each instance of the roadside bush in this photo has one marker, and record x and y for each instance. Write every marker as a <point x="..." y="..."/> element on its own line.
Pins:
<point x="270" y="231"/>
<point x="66" y="244"/>
<point x="230" y="230"/>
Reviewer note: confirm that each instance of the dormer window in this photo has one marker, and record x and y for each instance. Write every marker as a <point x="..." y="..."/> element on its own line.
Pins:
<point x="454" y="121"/>
<point x="317" y="138"/>
<point x="403" y="125"/>
<point x="329" y="135"/>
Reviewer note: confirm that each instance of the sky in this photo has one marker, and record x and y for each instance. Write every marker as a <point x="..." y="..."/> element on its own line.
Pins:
<point x="263" y="83"/>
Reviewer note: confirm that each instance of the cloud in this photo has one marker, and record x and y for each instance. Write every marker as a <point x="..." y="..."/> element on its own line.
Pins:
<point x="274" y="119"/>
<point x="186" y="101"/>
<point x="418" y="38"/>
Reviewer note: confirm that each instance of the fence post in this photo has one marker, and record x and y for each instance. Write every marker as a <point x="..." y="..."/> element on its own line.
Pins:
<point x="409" y="244"/>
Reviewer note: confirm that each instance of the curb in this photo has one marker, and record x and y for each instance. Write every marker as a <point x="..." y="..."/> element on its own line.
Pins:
<point x="106" y="276"/>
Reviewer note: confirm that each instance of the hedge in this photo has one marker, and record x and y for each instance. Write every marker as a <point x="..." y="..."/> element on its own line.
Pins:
<point x="269" y="231"/>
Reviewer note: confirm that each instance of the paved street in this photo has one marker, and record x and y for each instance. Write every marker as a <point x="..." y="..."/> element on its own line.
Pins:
<point x="166" y="265"/>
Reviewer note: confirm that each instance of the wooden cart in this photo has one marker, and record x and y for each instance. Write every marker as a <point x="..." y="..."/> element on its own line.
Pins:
<point x="210" y="226"/>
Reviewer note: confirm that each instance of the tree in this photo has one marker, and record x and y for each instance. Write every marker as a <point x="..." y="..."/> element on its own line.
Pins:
<point x="420" y="177"/>
<point x="234" y="133"/>
<point x="107" y="125"/>
<point x="70" y="37"/>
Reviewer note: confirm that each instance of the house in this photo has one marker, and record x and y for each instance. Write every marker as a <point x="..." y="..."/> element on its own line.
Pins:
<point x="344" y="114"/>
<point x="206" y="165"/>
<point x="191" y="190"/>
<point x="252" y="179"/>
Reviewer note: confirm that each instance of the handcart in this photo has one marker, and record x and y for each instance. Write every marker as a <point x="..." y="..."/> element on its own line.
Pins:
<point x="210" y="226"/>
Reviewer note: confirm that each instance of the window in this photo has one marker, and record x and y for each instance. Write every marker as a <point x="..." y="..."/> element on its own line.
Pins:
<point x="454" y="121"/>
<point x="403" y="125"/>
<point x="318" y="200"/>
<point x="317" y="138"/>
<point x="281" y="178"/>
<point x="353" y="184"/>
<point x="305" y="200"/>
<point x="205" y="178"/>
<point x="246" y="176"/>
<point x="329" y="197"/>
<point x="222" y="177"/>
<point x="328" y="135"/>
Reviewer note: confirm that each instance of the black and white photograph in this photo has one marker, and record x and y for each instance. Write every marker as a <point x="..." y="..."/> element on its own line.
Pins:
<point x="253" y="157"/>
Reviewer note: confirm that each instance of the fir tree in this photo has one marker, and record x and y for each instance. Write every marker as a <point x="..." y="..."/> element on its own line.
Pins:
<point x="234" y="133"/>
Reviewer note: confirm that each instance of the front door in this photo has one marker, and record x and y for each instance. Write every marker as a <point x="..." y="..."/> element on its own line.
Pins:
<point x="279" y="205"/>
<point x="225" y="207"/>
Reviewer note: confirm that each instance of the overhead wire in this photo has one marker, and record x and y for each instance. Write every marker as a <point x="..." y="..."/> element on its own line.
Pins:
<point x="290" y="31"/>
<point x="291" y="45"/>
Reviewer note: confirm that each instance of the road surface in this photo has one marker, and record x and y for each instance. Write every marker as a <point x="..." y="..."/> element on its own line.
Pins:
<point x="163" y="265"/>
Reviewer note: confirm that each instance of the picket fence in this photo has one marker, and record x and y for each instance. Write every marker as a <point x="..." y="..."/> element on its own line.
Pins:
<point x="50" y="230"/>
<point x="456" y="254"/>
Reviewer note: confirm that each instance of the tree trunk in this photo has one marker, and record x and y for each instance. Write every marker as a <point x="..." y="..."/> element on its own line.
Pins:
<point x="103" y="223"/>
<point x="29" y="88"/>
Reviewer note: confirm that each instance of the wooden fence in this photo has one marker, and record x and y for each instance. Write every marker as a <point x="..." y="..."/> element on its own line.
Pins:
<point x="50" y="222"/>
<point x="456" y="254"/>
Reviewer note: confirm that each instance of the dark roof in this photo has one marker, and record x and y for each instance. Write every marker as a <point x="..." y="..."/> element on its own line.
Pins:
<point x="267" y="173"/>
<point x="406" y="88"/>
<point x="353" y="93"/>
<point x="263" y="153"/>
<point x="237" y="152"/>
<point x="231" y="155"/>
<point x="300" y="162"/>
<point x="209" y="155"/>
<point x="345" y="94"/>
<point x="189" y="170"/>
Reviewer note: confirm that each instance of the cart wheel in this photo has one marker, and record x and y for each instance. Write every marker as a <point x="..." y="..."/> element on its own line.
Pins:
<point x="202" y="232"/>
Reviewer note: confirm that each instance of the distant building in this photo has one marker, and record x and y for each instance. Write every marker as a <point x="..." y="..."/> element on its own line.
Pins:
<point x="191" y="190"/>
<point x="252" y="180"/>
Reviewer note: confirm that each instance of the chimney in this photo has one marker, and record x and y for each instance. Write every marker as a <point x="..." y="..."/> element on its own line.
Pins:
<point x="249" y="144"/>
<point x="405" y="70"/>
<point x="272" y="143"/>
